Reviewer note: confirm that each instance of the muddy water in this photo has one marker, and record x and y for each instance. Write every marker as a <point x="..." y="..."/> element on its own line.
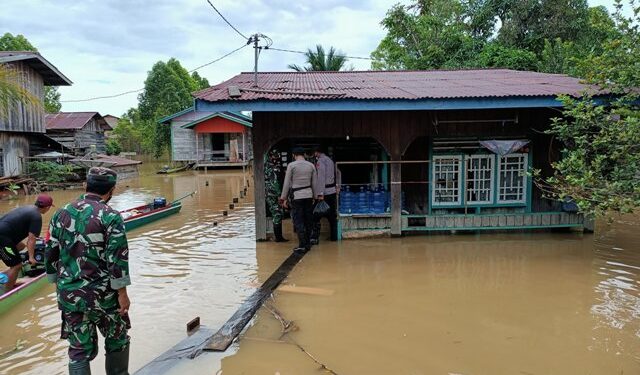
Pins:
<point x="541" y="303"/>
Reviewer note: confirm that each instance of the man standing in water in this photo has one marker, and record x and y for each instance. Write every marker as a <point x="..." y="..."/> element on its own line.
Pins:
<point x="20" y="223"/>
<point x="272" y="168"/>
<point x="88" y="258"/>
<point x="326" y="191"/>
<point x="301" y="180"/>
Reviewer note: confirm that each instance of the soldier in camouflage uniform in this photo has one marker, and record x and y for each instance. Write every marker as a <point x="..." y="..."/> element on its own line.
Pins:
<point x="272" y="171"/>
<point x="87" y="258"/>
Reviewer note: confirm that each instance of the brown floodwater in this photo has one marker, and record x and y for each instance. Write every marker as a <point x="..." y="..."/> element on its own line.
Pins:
<point x="509" y="303"/>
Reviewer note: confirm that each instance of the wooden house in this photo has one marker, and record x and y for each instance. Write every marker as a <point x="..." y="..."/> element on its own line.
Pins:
<point x="78" y="130"/>
<point x="25" y="122"/>
<point x="438" y="150"/>
<point x="112" y="121"/>
<point x="210" y="139"/>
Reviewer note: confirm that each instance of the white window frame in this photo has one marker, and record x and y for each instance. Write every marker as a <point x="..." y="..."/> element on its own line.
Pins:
<point x="523" y="171"/>
<point x="492" y="166"/>
<point x="434" y="186"/>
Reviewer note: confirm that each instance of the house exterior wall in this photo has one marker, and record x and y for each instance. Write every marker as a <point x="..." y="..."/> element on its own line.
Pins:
<point x="81" y="140"/>
<point x="183" y="142"/>
<point x="26" y="117"/>
<point x="219" y="125"/>
<point x="14" y="148"/>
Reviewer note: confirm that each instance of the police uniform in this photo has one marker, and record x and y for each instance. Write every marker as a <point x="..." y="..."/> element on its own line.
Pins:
<point x="272" y="171"/>
<point x="87" y="258"/>
<point x="326" y="170"/>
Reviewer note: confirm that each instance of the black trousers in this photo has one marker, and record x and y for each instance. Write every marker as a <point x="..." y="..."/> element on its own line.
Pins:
<point x="302" y="214"/>
<point x="332" y="216"/>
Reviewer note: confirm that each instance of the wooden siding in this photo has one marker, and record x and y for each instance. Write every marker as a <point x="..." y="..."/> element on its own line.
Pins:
<point x="81" y="140"/>
<point x="183" y="142"/>
<point x="15" y="149"/>
<point x="30" y="117"/>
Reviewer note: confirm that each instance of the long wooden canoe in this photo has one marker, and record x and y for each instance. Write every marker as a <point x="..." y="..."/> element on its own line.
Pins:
<point x="141" y="215"/>
<point x="175" y="170"/>
<point x="25" y="287"/>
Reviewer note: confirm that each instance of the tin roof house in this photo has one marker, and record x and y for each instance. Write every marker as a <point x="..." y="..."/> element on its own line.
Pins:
<point x="25" y="125"/>
<point x="78" y="131"/>
<point x="417" y="150"/>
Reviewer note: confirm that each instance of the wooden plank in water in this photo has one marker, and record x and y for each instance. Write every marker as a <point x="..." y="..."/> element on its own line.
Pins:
<point x="205" y="339"/>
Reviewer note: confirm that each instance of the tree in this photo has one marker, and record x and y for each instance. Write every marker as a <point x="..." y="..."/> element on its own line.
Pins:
<point x="600" y="168"/>
<point x="319" y="60"/>
<point x="167" y="90"/>
<point x="495" y="55"/>
<point x="11" y="91"/>
<point x="9" y="42"/>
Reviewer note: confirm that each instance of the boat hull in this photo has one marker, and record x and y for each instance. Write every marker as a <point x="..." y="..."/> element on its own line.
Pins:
<point x="138" y="221"/>
<point x="18" y="294"/>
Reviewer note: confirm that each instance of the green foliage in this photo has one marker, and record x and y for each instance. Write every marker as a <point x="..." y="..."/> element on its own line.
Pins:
<point x="9" y="42"/>
<point x="600" y="169"/>
<point x="499" y="56"/>
<point x="319" y="60"/>
<point x="48" y="171"/>
<point x="167" y="90"/>
<point x="113" y="147"/>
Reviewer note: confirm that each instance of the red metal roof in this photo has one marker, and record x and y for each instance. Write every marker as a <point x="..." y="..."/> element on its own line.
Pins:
<point x="120" y="161"/>
<point x="72" y="120"/>
<point x="411" y="85"/>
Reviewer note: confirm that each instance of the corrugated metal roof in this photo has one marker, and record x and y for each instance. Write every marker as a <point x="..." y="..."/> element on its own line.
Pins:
<point x="50" y="74"/>
<point x="72" y="120"/>
<point x="190" y="115"/>
<point x="403" y="85"/>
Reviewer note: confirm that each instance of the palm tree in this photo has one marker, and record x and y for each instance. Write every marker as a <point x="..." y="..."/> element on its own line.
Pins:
<point x="11" y="91"/>
<point x="318" y="60"/>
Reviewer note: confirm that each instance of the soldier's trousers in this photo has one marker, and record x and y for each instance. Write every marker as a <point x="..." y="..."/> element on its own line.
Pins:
<point x="79" y="328"/>
<point x="274" y="209"/>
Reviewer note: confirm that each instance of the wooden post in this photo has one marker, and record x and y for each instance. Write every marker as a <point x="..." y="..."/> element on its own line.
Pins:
<point x="197" y="157"/>
<point x="396" y="197"/>
<point x="259" y="149"/>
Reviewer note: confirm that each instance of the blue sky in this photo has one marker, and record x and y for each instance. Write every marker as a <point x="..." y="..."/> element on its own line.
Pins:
<point x="107" y="46"/>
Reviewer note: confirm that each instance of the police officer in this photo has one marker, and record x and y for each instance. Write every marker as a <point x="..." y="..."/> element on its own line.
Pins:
<point x="326" y="191"/>
<point x="87" y="256"/>
<point x="272" y="170"/>
<point x="20" y="223"/>
<point x="300" y="181"/>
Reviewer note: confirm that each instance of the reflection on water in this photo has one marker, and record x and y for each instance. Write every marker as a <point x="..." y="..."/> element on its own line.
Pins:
<point x="535" y="303"/>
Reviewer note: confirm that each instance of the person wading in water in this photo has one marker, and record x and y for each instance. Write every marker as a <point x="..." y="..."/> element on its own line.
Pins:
<point x="327" y="191"/>
<point x="20" y="223"/>
<point x="272" y="170"/>
<point x="88" y="259"/>
<point x="300" y="181"/>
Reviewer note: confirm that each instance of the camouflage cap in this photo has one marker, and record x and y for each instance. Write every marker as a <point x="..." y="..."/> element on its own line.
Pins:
<point x="102" y="174"/>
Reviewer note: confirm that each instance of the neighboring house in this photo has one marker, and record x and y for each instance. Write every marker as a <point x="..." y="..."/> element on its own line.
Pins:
<point x="210" y="139"/>
<point x="78" y="130"/>
<point x="450" y="150"/>
<point x="25" y="122"/>
<point x="113" y="122"/>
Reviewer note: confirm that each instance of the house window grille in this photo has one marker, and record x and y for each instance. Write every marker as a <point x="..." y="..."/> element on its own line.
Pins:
<point x="479" y="179"/>
<point x="447" y="173"/>
<point x="512" y="170"/>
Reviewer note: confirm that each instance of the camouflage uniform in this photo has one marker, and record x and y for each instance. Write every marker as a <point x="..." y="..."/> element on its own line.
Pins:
<point x="272" y="171"/>
<point x="87" y="257"/>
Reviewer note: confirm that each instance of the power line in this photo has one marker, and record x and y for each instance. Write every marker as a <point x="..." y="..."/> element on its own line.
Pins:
<point x="225" y="20"/>
<point x="304" y="53"/>
<point x="138" y="90"/>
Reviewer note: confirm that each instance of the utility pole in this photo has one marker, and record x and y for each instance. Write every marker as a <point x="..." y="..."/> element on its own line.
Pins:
<point x="256" y="51"/>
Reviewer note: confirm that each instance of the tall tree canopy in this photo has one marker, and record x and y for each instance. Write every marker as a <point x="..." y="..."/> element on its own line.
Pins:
<point x="319" y="60"/>
<point x="10" y="42"/>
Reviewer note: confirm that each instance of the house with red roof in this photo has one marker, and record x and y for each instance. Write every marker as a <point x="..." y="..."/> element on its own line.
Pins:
<point x="23" y="124"/>
<point x="78" y="131"/>
<point x="210" y="139"/>
<point x="418" y="151"/>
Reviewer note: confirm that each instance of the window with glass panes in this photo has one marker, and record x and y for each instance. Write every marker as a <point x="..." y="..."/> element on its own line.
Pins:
<point x="446" y="173"/>
<point x="479" y="179"/>
<point x="512" y="181"/>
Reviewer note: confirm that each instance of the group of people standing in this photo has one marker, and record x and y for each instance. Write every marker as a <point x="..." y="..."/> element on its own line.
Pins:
<point x="305" y="185"/>
<point x="87" y="257"/>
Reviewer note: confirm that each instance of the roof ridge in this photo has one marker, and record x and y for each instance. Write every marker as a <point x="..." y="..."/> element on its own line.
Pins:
<point x="398" y="71"/>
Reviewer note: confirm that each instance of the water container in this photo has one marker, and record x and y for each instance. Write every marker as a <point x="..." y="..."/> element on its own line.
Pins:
<point x="362" y="201"/>
<point x="159" y="202"/>
<point x="378" y="201"/>
<point x="4" y="278"/>
<point x="346" y="201"/>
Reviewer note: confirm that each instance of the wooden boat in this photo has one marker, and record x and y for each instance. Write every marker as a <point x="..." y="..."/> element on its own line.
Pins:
<point x="25" y="287"/>
<point x="166" y="170"/>
<point x="141" y="215"/>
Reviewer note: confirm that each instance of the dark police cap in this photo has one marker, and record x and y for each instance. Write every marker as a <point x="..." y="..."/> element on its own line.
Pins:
<point x="298" y="151"/>
<point x="102" y="174"/>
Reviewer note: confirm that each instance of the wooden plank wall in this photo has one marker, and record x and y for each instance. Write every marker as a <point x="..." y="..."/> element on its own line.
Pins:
<point x="26" y="118"/>
<point x="14" y="148"/>
<point x="183" y="142"/>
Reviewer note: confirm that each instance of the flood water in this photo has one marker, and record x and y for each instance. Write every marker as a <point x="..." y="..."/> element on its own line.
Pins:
<point x="514" y="303"/>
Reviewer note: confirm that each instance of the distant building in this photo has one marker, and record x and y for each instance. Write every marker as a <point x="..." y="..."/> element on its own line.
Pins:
<point x="25" y="123"/>
<point x="113" y="122"/>
<point x="78" y="130"/>
<point x="210" y="139"/>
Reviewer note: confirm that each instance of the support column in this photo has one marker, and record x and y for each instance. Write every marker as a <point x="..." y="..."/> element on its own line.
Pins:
<point x="396" y="197"/>
<point x="259" y="191"/>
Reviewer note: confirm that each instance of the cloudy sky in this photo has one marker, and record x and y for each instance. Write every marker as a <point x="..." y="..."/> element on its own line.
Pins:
<point x="107" y="46"/>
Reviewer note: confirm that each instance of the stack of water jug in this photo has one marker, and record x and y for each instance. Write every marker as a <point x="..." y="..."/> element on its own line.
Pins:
<point x="364" y="200"/>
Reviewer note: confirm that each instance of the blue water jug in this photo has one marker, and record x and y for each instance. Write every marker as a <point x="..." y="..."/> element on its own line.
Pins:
<point x="346" y="201"/>
<point x="362" y="201"/>
<point x="4" y="278"/>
